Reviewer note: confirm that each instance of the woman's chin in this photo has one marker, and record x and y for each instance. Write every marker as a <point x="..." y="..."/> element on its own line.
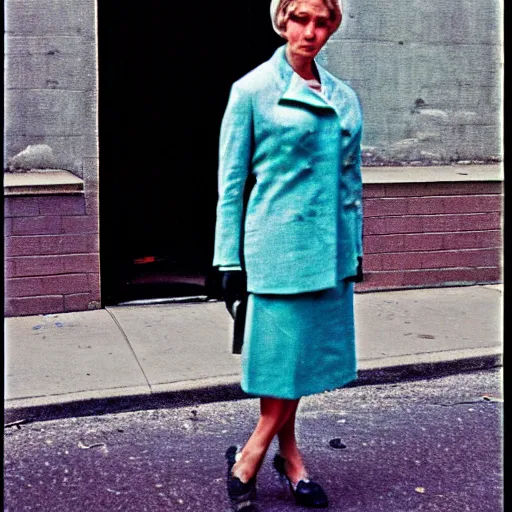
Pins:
<point x="308" y="53"/>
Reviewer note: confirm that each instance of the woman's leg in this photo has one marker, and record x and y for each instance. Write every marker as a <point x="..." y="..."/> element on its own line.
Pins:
<point x="274" y="413"/>
<point x="289" y="450"/>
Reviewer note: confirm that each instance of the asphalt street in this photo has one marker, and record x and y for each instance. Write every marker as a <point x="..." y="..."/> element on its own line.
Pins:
<point x="425" y="445"/>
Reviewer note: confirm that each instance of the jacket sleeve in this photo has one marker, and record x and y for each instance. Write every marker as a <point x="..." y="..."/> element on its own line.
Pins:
<point x="352" y="170"/>
<point x="235" y="148"/>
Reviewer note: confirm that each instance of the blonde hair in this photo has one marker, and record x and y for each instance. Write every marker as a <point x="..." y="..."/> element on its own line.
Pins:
<point x="280" y="11"/>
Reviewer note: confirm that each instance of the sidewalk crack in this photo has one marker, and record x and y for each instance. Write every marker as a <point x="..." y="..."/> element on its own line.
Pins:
<point x="131" y="348"/>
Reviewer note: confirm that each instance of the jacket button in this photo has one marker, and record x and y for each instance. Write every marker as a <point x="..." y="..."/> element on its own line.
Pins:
<point x="357" y="202"/>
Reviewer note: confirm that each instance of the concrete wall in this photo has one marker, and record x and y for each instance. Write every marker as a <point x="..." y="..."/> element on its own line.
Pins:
<point x="428" y="74"/>
<point x="50" y="81"/>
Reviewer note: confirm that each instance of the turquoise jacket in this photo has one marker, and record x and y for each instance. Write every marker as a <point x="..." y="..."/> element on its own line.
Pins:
<point x="303" y="222"/>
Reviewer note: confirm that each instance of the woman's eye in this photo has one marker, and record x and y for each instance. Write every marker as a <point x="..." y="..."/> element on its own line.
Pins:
<point x="321" y="23"/>
<point x="298" y="19"/>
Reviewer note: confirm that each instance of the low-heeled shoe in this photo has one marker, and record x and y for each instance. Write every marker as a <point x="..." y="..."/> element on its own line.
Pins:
<point x="306" y="492"/>
<point x="241" y="495"/>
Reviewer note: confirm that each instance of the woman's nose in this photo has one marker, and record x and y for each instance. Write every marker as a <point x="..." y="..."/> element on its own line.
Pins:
<point x="310" y="30"/>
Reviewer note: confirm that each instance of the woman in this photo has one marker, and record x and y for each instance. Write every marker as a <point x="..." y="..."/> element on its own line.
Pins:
<point x="297" y="244"/>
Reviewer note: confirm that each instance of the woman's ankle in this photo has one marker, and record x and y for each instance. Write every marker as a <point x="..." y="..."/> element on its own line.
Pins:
<point x="294" y="466"/>
<point x="246" y="465"/>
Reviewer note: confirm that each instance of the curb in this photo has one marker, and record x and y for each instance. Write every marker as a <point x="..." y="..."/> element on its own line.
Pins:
<point x="193" y="393"/>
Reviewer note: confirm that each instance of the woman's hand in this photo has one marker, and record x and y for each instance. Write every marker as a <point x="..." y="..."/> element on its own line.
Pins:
<point x="358" y="278"/>
<point x="234" y="286"/>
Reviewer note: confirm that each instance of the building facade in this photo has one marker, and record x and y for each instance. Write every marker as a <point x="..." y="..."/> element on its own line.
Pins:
<point x="429" y="76"/>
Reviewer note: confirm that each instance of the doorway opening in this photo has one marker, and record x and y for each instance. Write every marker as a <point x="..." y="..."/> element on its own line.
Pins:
<point x="165" y="71"/>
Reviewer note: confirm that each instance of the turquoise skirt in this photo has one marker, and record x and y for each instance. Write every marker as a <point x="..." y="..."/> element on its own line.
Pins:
<point x="298" y="345"/>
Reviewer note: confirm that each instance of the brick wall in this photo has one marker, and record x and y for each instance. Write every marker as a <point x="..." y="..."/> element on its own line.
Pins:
<point x="431" y="234"/>
<point x="51" y="254"/>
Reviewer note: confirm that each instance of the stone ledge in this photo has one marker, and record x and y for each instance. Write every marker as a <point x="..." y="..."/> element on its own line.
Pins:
<point x="44" y="182"/>
<point x="432" y="174"/>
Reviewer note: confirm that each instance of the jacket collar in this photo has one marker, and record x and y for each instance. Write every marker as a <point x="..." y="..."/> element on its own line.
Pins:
<point x="294" y="88"/>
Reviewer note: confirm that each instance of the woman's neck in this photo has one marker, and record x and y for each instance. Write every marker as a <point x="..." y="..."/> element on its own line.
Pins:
<point x="304" y="67"/>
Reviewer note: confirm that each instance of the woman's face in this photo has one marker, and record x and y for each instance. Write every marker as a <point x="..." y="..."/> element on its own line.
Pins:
<point x="308" y="28"/>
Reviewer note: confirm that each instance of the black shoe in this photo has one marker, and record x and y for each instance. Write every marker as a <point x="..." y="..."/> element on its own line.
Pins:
<point x="241" y="495"/>
<point x="306" y="493"/>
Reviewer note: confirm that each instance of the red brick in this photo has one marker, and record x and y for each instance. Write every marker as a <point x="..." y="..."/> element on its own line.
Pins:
<point x="464" y="258"/>
<point x="69" y="244"/>
<point x="433" y="259"/>
<point x="62" y="205"/>
<point x="423" y="242"/>
<point x="454" y="204"/>
<point x="21" y="206"/>
<point x="432" y="223"/>
<point x="42" y="225"/>
<point x="480" y="222"/>
<point x="46" y="285"/>
<point x="392" y="225"/>
<point x="78" y="302"/>
<point x="402" y="242"/>
<point x="53" y="265"/>
<point x="81" y="263"/>
<point x="35" y="245"/>
<point x="9" y="267"/>
<point x="383" y="243"/>
<point x="452" y="277"/>
<point x="442" y="188"/>
<point x="464" y="222"/>
<point x="80" y="224"/>
<point x="92" y="206"/>
<point x="34" y="305"/>
<point x="374" y="190"/>
<point x="477" y="257"/>
<point x="372" y="262"/>
<point x="374" y="280"/>
<point x="472" y="239"/>
<point x="385" y="207"/>
<point x="442" y="223"/>
<point x="428" y="278"/>
<point x="22" y="245"/>
<point x="39" y="265"/>
<point x="94" y="285"/>
<point x="7" y="227"/>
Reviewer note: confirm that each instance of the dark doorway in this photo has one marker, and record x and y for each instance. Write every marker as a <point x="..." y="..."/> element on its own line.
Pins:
<point x="165" y="69"/>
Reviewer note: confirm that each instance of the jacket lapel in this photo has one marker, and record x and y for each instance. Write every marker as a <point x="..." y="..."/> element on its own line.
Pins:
<point x="298" y="91"/>
<point x="294" y="88"/>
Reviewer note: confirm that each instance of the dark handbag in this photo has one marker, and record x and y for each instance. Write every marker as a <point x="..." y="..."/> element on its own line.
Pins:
<point x="238" y="311"/>
<point x="239" y="307"/>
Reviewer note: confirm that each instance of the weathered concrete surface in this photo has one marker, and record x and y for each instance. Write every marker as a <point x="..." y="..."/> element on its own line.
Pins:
<point x="179" y="342"/>
<point x="433" y="174"/>
<point x="431" y="445"/>
<point x="36" y="156"/>
<point x="84" y="353"/>
<point x="51" y="81"/>
<point x="428" y="75"/>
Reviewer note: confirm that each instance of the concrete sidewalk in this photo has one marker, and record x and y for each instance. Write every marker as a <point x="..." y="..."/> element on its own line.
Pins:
<point x="129" y="357"/>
